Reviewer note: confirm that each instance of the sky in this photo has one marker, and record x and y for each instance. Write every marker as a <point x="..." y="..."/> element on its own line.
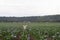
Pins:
<point x="21" y="8"/>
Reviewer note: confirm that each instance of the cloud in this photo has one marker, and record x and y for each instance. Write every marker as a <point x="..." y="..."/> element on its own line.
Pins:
<point x="29" y="7"/>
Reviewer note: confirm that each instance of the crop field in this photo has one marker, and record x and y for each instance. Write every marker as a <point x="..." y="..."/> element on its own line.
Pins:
<point x="29" y="31"/>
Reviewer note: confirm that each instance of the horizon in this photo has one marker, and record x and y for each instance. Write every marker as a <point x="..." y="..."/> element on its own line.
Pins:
<point x="29" y="16"/>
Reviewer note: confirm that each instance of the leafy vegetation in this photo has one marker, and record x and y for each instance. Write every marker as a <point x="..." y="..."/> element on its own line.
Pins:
<point x="35" y="30"/>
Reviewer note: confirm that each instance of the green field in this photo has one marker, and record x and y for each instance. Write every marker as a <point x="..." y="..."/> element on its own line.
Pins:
<point x="37" y="30"/>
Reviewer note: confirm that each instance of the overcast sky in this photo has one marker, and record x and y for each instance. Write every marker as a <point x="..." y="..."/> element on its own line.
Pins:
<point x="29" y="7"/>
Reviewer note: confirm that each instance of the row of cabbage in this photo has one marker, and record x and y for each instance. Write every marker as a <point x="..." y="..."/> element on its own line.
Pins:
<point x="40" y="33"/>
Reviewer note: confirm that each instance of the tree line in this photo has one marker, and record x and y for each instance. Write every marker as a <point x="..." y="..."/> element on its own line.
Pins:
<point x="50" y="18"/>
